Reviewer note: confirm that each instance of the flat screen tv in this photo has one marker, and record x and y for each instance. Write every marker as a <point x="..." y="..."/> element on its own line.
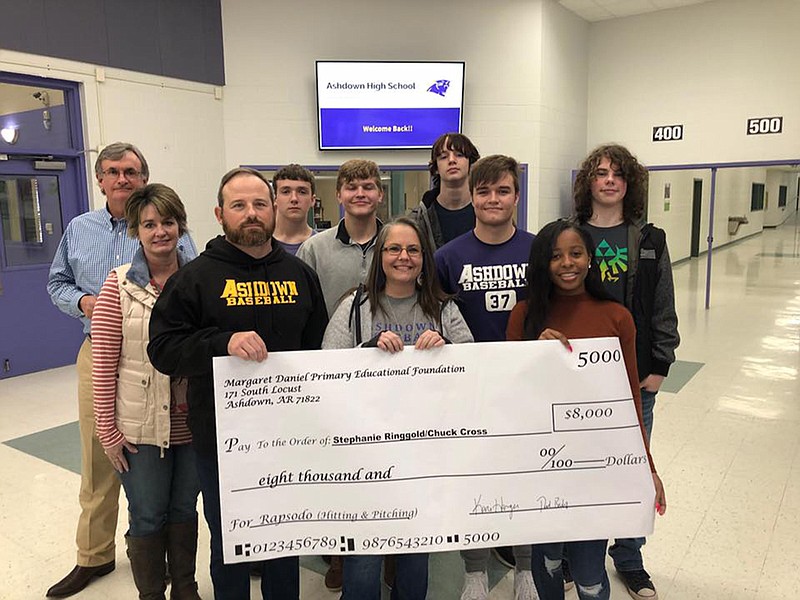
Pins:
<point x="387" y="105"/>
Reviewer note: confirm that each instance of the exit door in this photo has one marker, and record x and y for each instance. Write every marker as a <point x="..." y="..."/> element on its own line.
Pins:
<point x="38" y="197"/>
<point x="697" y="208"/>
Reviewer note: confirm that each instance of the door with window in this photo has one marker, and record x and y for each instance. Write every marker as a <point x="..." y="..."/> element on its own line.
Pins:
<point x="42" y="188"/>
<point x="35" y="334"/>
<point x="697" y="211"/>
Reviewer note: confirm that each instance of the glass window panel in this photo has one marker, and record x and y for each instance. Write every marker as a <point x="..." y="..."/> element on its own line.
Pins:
<point x="31" y="219"/>
<point x="757" y="197"/>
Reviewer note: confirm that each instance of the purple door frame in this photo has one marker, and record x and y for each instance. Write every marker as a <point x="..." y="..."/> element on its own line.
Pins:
<point x="35" y="334"/>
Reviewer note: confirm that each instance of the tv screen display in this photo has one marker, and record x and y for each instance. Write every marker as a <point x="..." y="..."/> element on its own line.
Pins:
<point x="382" y="105"/>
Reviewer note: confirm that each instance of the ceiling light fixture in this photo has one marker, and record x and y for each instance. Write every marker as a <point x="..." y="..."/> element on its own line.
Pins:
<point x="9" y="134"/>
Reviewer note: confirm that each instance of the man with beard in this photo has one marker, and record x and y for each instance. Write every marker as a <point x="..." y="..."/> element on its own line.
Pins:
<point x="243" y="296"/>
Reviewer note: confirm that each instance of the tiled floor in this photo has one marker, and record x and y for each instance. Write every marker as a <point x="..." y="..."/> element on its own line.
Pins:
<point x="725" y="441"/>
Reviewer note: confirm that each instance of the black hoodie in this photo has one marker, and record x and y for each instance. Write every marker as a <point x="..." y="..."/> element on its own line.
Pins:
<point x="221" y="292"/>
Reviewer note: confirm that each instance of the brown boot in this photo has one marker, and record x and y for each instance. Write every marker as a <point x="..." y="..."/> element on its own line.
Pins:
<point x="182" y="559"/>
<point x="147" y="564"/>
<point x="333" y="577"/>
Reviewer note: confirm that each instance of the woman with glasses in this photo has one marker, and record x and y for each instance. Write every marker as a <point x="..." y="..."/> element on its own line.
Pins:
<point x="401" y="304"/>
<point x="140" y="413"/>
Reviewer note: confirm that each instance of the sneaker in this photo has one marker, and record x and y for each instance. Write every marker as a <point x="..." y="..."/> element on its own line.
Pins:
<point x="523" y="586"/>
<point x="333" y="576"/>
<point x="476" y="586"/>
<point x="505" y="555"/>
<point x="639" y="584"/>
<point x="568" y="583"/>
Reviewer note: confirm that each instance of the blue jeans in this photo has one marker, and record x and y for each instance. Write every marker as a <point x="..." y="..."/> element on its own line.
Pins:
<point x="648" y="404"/>
<point x="627" y="552"/>
<point x="160" y="490"/>
<point x="361" y="579"/>
<point x="280" y="578"/>
<point x="586" y="563"/>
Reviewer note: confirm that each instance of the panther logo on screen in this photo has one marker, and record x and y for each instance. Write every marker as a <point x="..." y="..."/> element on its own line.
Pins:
<point x="440" y="87"/>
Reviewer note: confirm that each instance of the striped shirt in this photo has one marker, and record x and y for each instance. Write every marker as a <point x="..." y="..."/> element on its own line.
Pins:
<point x="93" y="244"/>
<point x="106" y="348"/>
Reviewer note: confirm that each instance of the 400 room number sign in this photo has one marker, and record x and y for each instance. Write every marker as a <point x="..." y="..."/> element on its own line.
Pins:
<point x="667" y="133"/>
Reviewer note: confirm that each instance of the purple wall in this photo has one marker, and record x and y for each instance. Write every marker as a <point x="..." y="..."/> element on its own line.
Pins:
<point x="174" y="38"/>
<point x="33" y="135"/>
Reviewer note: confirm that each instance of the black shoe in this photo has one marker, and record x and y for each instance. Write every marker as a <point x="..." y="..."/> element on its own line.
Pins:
<point x="389" y="570"/>
<point x="639" y="584"/>
<point x="78" y="579"/>
<point x="505" y="555"/>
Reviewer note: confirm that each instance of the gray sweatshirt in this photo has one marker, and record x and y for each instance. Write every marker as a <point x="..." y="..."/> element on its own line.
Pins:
<point x="403" y="316"/>
<point x="340" y="263"/>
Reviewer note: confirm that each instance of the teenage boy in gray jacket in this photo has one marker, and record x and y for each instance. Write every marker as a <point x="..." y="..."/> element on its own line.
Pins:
<point x="634" y="263"/>
<point x="341" y="255"/>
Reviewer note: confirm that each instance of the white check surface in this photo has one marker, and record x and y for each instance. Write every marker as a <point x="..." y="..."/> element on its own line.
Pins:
<point x="472" y="445"/>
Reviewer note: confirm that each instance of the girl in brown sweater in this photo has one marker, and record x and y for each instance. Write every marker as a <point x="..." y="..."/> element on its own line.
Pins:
<point x="566" y="300"/>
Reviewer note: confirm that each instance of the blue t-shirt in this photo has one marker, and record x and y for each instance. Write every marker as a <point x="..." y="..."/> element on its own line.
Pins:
<point x="454" y="223"/>
<point x="293" y="248"/>
<point x="488" y="280"/>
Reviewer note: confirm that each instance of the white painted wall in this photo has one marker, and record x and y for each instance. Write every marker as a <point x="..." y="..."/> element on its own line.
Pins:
<point x="177" y="125"/>
<point x="733" y="197"/>
<point x="514" y="103"/>
<point x="733" y="190"/>
<point x="774" y="215"/>
<point x="677" y="218"/>
<point x="565" y="48"/>
<point x="709" y="67"/>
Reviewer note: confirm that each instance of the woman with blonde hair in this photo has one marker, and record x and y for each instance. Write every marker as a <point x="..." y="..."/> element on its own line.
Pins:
<point x="140" y="413"/>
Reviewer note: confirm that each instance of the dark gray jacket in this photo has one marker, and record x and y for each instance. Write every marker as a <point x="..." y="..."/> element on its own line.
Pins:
<point x="427" y="219"/>
<point x="650" y="296"/>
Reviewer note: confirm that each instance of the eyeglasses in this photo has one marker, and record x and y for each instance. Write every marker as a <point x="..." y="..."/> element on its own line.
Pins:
<point x="128" y="173"/>
<point x="396" y="250"/>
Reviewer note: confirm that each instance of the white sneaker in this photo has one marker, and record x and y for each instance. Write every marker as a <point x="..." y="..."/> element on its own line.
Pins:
<point x="476" y="586"/>
<point x="524" y="589"/>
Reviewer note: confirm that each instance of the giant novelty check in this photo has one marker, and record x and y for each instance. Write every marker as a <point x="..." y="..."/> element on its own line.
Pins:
<point x="466" y="446"/>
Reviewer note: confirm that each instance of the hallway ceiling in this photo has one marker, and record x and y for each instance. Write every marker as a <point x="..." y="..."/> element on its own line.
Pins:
<point x="601" y="10"/>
